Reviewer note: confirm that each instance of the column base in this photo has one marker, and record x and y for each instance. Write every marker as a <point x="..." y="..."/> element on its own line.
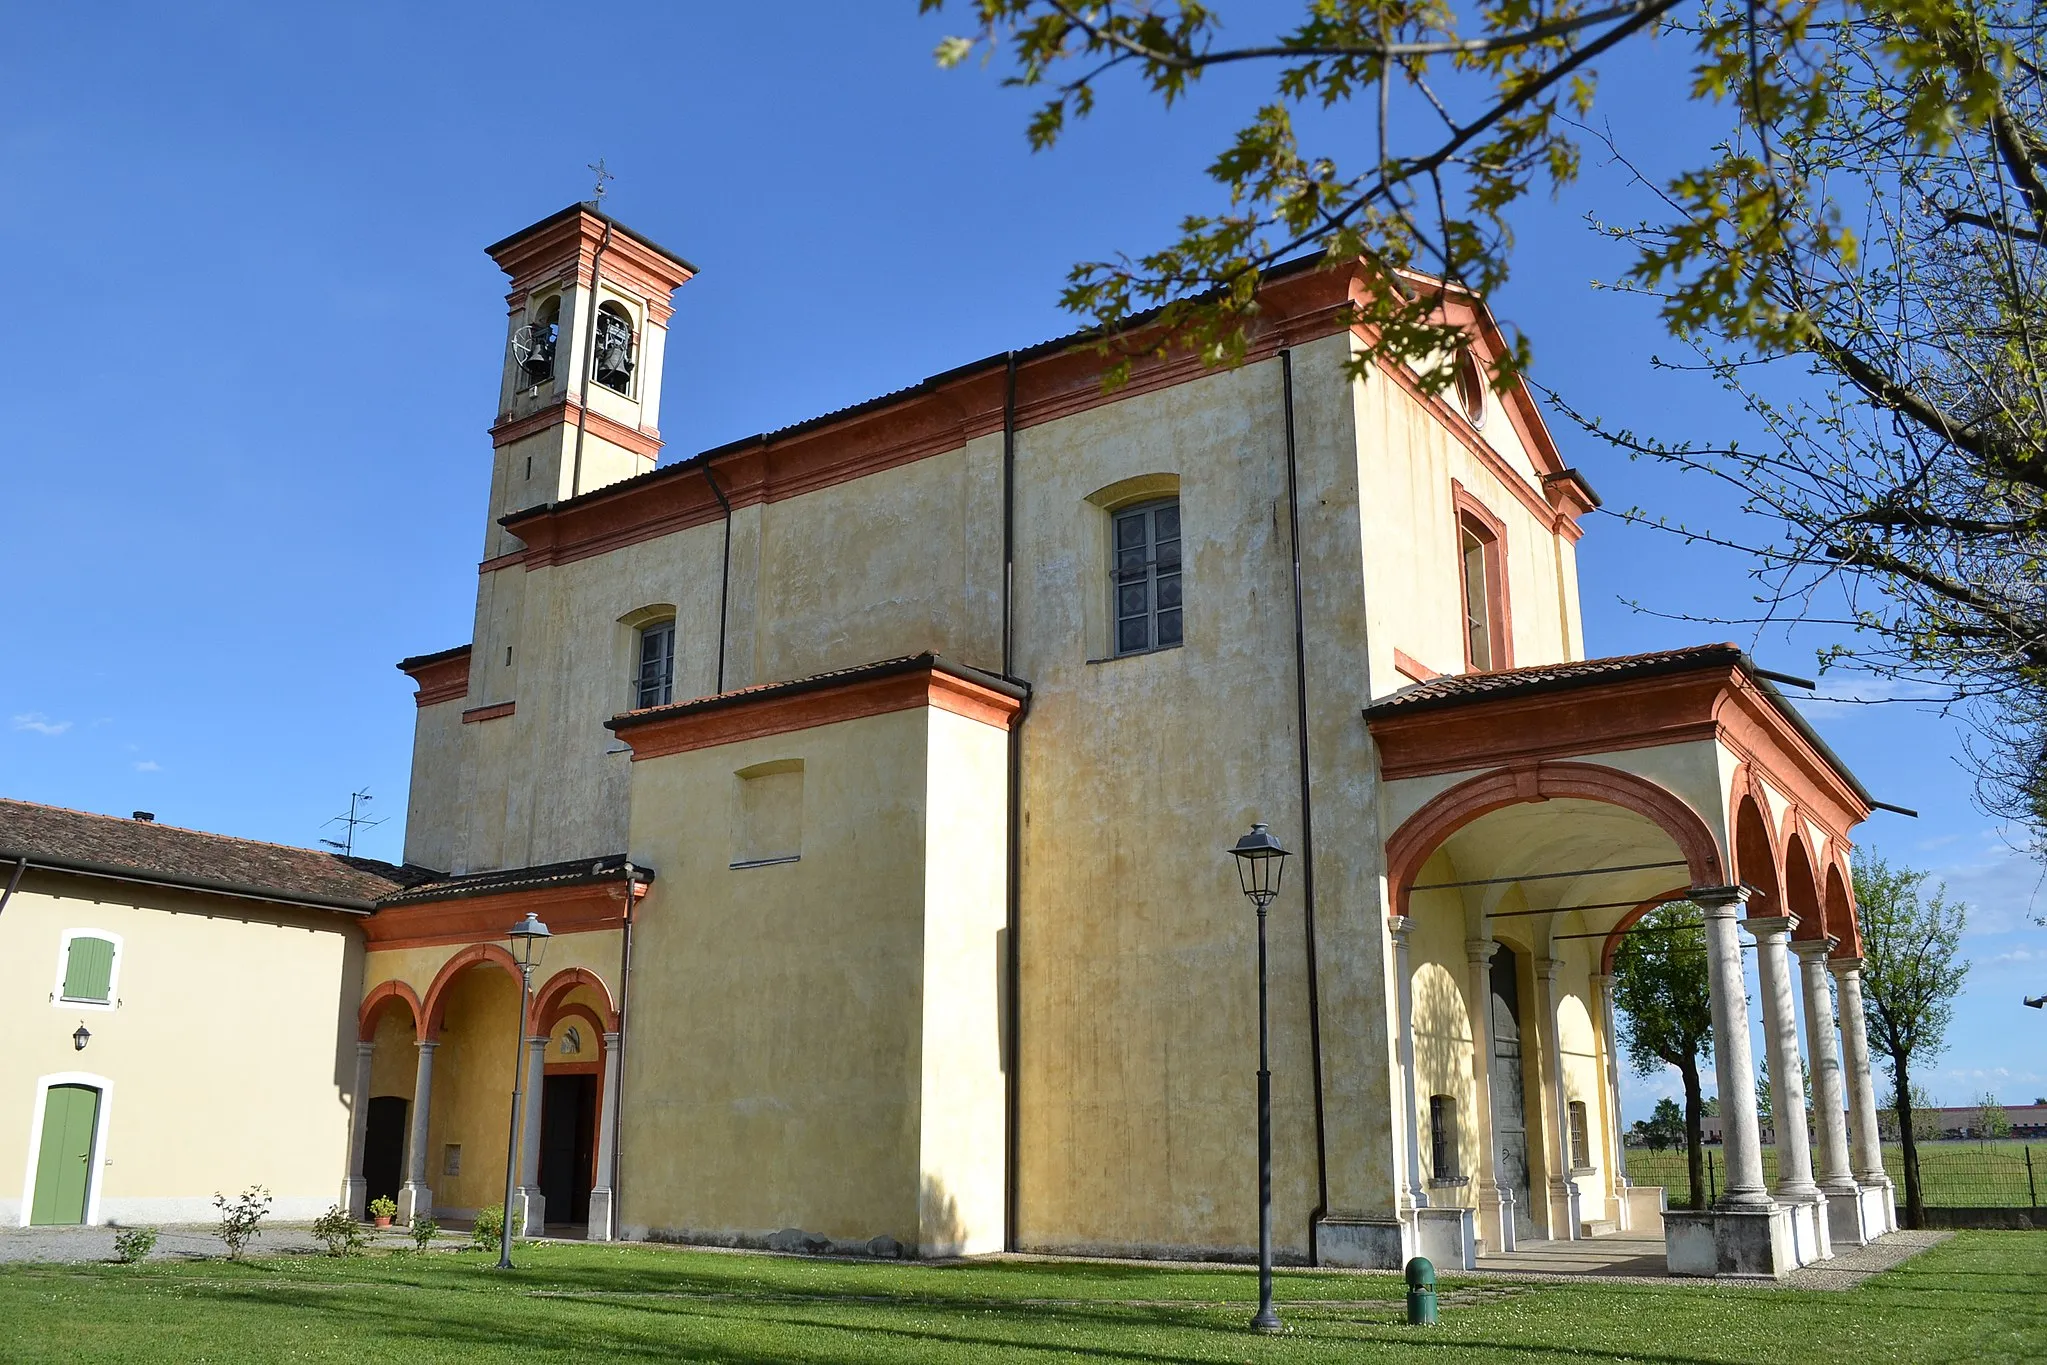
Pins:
<point x="413" y="1199"/>
<point x="1357" y="1243"/>
<point x="1748" y="1244"/>
<point x="1849" y="1217"/>
<point x="1566" y="1212"/>
<point x="1447" y="1236"/>
<point x="599" y="1229"/>
<point x="355" y="1194"/>
<point x="1623" y="1215"/>
<point x="529" y="1212"/>
<point x="1880" y="1204"/>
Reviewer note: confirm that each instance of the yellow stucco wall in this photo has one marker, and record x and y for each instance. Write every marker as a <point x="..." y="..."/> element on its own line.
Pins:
<point x="214" y="1080"/>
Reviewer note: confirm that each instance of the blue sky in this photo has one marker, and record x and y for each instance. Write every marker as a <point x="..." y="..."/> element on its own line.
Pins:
<point x="255" y="349"/>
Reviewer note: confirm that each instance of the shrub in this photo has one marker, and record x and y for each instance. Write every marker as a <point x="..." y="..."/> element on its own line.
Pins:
<point x="383" y="1206"/>
<point x="239" y="1220"/>
<point x="339" y="1230"/>
<point x="424" y="1230"/>
<point x="489" y="1229"/>
<point x="133" y="1244"/>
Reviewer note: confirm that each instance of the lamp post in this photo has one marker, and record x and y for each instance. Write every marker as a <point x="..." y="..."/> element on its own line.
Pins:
<point x="529" y="943"/>
<point x="1260" y="864"/>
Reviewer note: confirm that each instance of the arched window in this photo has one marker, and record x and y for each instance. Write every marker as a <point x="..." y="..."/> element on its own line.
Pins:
<point x="1478" y="548"/>
<point x="1145" y="576"/>
<point x="611" y="357"/>
<point x="533" y="346"/>
<point x="654" y="674"/>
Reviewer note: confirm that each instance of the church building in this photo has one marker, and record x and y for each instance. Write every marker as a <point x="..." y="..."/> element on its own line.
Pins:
<point x="875" y="779"/>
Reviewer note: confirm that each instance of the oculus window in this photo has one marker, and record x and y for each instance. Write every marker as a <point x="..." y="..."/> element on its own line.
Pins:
<point x="1145" y="577"/>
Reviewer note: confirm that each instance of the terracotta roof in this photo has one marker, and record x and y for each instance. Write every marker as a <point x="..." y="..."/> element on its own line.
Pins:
<point x="166" y="855"/>
<point x="884" y="668"/>
<point x="572" y="872"/>
<point x="1462" y="689"/>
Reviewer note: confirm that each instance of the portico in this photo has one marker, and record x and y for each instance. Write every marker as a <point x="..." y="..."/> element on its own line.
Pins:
<point x="1537" y="814"/>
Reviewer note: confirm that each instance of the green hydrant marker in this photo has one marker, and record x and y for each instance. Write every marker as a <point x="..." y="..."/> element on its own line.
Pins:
<point x="1421" y="1292"/>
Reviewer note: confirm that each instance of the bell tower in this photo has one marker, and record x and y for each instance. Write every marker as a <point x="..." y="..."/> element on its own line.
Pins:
<point x="579" y="400"/>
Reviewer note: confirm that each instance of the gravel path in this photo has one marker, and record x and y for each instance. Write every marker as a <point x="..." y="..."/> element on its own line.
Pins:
<point x="192" y="1240"/>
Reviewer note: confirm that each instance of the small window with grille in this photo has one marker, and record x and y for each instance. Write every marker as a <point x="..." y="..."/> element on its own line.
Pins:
<point x="1581" y="1137"/>
<point x="1145" y="576"/>
<point x="654" y="678"/>
<point x="1443" y="1138"/>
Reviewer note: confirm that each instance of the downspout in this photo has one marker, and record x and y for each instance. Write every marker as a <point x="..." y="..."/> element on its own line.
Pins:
<point x="725" y="569"/>
<point x="1293" y="502"/>
<point x="625" y="996"/>
<point x="1013" y="893"/>
<point x="13" y="880"/>
<point x="589" y="359"/>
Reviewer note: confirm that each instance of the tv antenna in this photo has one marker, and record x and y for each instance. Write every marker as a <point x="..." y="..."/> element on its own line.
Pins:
<point x="597" y="168"/>
<point x="351" y="822"/>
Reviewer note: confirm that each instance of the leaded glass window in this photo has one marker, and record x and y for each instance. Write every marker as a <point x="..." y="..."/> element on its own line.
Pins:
<point x="1146" y="574"/>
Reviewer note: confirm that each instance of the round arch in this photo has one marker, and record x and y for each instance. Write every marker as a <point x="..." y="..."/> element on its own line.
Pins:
<point x="548" y="1006"/>
<point x="475" y="955"/>
<point x="1423" y="832"/>
<point x="1755" y="855"/>
<point x="1612" y="945"/>
<point x="380" y="1001"/>
<point x="576" y="1009"/>
<point x="1802" y="890"/>
<point x="1842" y="921"/>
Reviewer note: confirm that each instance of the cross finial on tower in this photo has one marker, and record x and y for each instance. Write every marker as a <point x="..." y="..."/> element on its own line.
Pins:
<point x="597" y="196"/>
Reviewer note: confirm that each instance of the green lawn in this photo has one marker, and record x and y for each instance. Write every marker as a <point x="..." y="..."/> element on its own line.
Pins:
<point x="1979" y="1297"/>
<point x="1956" y="1175"/>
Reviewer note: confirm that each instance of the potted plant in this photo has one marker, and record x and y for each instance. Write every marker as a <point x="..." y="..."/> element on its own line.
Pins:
<point x="383" y="1208"/>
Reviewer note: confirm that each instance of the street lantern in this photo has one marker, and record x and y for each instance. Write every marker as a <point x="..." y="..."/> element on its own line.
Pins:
<point x="529" y="945"/>
<point x="1261" y="862"/>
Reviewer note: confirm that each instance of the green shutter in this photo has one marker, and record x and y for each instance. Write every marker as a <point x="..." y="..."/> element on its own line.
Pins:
<point x="89" y="971"/>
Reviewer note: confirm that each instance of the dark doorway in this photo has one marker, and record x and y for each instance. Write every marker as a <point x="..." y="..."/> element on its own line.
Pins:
<point x="568" y="1145"/>
<point x="383" y="1147"/>
<point x="1510" y="1106"/>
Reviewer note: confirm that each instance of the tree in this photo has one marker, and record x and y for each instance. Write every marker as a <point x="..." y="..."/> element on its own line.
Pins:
<point x="1900" y="488"/>
<point x="1876" y="215"/>
<point x="1911" y="972"/>
<point x="1926" y="1126"/>
<point x="1665" y="1126"/>
<point x="1991" y="1121"/>
<point x="1659" y="987"/>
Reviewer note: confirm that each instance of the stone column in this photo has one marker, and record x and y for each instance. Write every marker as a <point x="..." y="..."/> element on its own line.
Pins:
<point x="354" y="1190"/>
<point x="1828" y="1095"/>
<point x="1865" y="1153"/>
<point x="1787" y="1068"/>
<point x="601" y="1197"/>
<point x="1602" y="993"/>
<point x="414" y="1197"/>
<point x="1740" y="1133"/>
<point x="1495" y="1205"/>
<point x="1415" y="1196"/>
<point x="1563" y="1186"/>
<point x="529" y="1208"/>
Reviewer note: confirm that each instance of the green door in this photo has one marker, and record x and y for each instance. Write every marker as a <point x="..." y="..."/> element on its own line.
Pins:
<point x="64" y="1166"/>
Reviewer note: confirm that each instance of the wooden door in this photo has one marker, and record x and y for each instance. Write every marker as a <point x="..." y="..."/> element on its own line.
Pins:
<point x="64" y="1162"/>
<point x="1510" y="1107"/>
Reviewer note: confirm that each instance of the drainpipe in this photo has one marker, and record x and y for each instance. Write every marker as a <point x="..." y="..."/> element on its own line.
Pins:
<point x="589" y="359"/>
<point x="724" y="571"/>
<point x="625" y="996"/>
<point x="13" y="880"/>
<point x="1013" y="892"/>
<point x="1293" y="502"/>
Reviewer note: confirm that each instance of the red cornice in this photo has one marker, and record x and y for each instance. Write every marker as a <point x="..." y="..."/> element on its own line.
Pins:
<point x="444" y="678"/>
<point x="548" y="249"/>
<point x="562" y="412"/>
<point x="581" y="909"/>
<point x="776" y="713"/>
<point x="491" y="712"/>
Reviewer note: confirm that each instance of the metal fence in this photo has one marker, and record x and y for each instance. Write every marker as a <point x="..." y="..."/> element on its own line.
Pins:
<point x="1952" y="1174"/>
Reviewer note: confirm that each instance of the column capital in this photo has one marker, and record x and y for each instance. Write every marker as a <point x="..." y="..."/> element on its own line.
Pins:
<point x="427" y="1045"/>
<point x="537" y="1040"/>
<point x="1719" y="901"/>
<point x="611" y="1040"/>
<point x="1399" y="926"/>
<point x="1548" y="967"/>
<point x="1845" y="966"/>
<point x="1811" y="950"/>
<point x="364" y="1049"/>
<point x="1770" y="926"/>
<point x="1480" y="950"/>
